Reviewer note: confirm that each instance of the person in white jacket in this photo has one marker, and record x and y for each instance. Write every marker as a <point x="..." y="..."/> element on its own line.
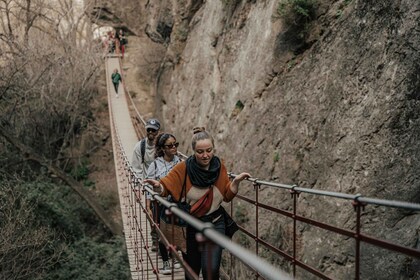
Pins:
<point x="166" y="158"/>
<point x="143" y="156"/>
<point x="144" y="150"/>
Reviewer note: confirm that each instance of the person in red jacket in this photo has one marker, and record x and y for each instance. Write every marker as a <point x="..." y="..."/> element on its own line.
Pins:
<point x="123" y="41"/>
<point x="206" y="184"/>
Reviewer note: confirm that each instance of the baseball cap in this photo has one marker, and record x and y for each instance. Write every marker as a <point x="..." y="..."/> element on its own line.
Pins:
<point x="153" y="123"/>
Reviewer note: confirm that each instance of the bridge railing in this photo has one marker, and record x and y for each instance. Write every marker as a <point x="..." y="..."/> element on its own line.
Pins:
<point x="261" y="270"/>
<point x="290" y="253"/>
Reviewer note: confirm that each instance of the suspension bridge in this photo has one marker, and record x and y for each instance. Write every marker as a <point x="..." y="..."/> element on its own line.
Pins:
<point x="260" y="262"/>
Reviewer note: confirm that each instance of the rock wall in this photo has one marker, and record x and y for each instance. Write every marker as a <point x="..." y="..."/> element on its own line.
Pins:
<point x="337" y="109"/>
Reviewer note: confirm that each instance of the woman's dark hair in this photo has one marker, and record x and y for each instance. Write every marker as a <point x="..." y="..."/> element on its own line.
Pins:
<point x="200" y="133"/>
<point x="160" y="143"/>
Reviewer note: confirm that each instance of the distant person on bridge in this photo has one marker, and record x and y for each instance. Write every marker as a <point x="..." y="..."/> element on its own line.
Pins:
<point x="123" y="41"/>
<point x="166" y="158"/>
<point x="207" y="185"/>
<point x="104" y="40"/>
<point x="116" y="79"/>
<point x="143" y="156"/>
<point x="111" y="42"/>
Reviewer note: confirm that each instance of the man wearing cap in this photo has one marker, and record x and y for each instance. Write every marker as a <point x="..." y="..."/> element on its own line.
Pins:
<point x="143" y="156"/>
<point x="144" y="150"/>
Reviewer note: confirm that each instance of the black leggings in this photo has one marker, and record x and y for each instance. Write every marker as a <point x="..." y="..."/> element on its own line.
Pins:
<point x="163" y="252"/>
<point x="199" y="257"/>
<point x="116" y="87"/>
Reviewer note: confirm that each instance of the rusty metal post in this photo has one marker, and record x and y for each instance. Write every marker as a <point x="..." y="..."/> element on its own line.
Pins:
<point x="357" y="205"/>
<point x="257" y="186"/>
<point x="143" y="233"/>
<point x="231" y="260"/>
<point x="132" y="186"/>
<point x="295" y="195"/>
<point x="357" y="243"/>
<point x="156" y="224"/>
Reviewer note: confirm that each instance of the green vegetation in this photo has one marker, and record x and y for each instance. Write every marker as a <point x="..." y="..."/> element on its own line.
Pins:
<point x="296" y="12"/>
<point x="341" y="8"/>
<point x="291" y="63"/>
<point x="239" y="105"/>
<point x="297" y="16"/>
<point x="276" y="156"/>
<point x="51" y="221"/>
<point x="80" y="171"/>
<point x="89" y="259"/>
<point x="182" y="33"/>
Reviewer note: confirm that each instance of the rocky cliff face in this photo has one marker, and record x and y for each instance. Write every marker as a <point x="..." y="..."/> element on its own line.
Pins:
<point x="334" y="106"/>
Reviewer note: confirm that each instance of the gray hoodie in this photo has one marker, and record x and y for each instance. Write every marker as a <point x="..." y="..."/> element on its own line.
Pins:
<point x="159" y="168"/>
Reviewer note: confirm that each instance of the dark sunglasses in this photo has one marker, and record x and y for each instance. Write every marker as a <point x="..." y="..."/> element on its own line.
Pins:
<point x="170" y="146"/>
<point x="151" y="130"/>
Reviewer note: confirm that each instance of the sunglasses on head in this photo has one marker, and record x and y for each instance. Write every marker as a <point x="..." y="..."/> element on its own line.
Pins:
<point x="151" y="130"/>
<point x="170" y="146"/>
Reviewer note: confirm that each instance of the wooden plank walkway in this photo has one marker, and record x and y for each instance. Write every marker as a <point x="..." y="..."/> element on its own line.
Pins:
<point x="140" y="265"/>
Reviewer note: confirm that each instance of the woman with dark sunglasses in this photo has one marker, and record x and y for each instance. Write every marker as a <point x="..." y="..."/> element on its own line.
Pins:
<point x="165" y="159"/>
<point x="207" y="186"/>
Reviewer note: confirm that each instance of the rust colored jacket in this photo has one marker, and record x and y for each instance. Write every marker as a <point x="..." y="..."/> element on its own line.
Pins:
<point x="173" y="182"/>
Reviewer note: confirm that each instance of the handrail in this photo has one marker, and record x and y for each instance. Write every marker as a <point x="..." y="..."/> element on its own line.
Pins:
<point x="356" y="197"/>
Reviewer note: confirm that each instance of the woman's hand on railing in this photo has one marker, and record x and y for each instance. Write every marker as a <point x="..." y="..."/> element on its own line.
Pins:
<point x="157" y="187"/>
<point x="235" y="183"/>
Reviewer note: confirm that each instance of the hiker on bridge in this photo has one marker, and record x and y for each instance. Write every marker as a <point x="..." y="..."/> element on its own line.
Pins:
<point x="111" y="42"/>
<point x="143" y="156"/>
<point x="144" y="150"/>
<point x="207" y="185"/>
<point x="122" y="42"/>
<point x="116" y="79"/>
<point x="166" y="158"/>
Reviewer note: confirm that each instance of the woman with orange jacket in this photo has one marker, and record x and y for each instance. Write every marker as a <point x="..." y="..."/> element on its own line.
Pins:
<point x="207" y="185"/>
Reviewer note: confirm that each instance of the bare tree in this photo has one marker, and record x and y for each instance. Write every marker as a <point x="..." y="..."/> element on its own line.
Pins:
<point x="47" y="83"/>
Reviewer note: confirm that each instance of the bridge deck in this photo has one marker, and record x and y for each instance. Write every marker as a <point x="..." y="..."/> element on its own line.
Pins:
<point x="140" y="269"/>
